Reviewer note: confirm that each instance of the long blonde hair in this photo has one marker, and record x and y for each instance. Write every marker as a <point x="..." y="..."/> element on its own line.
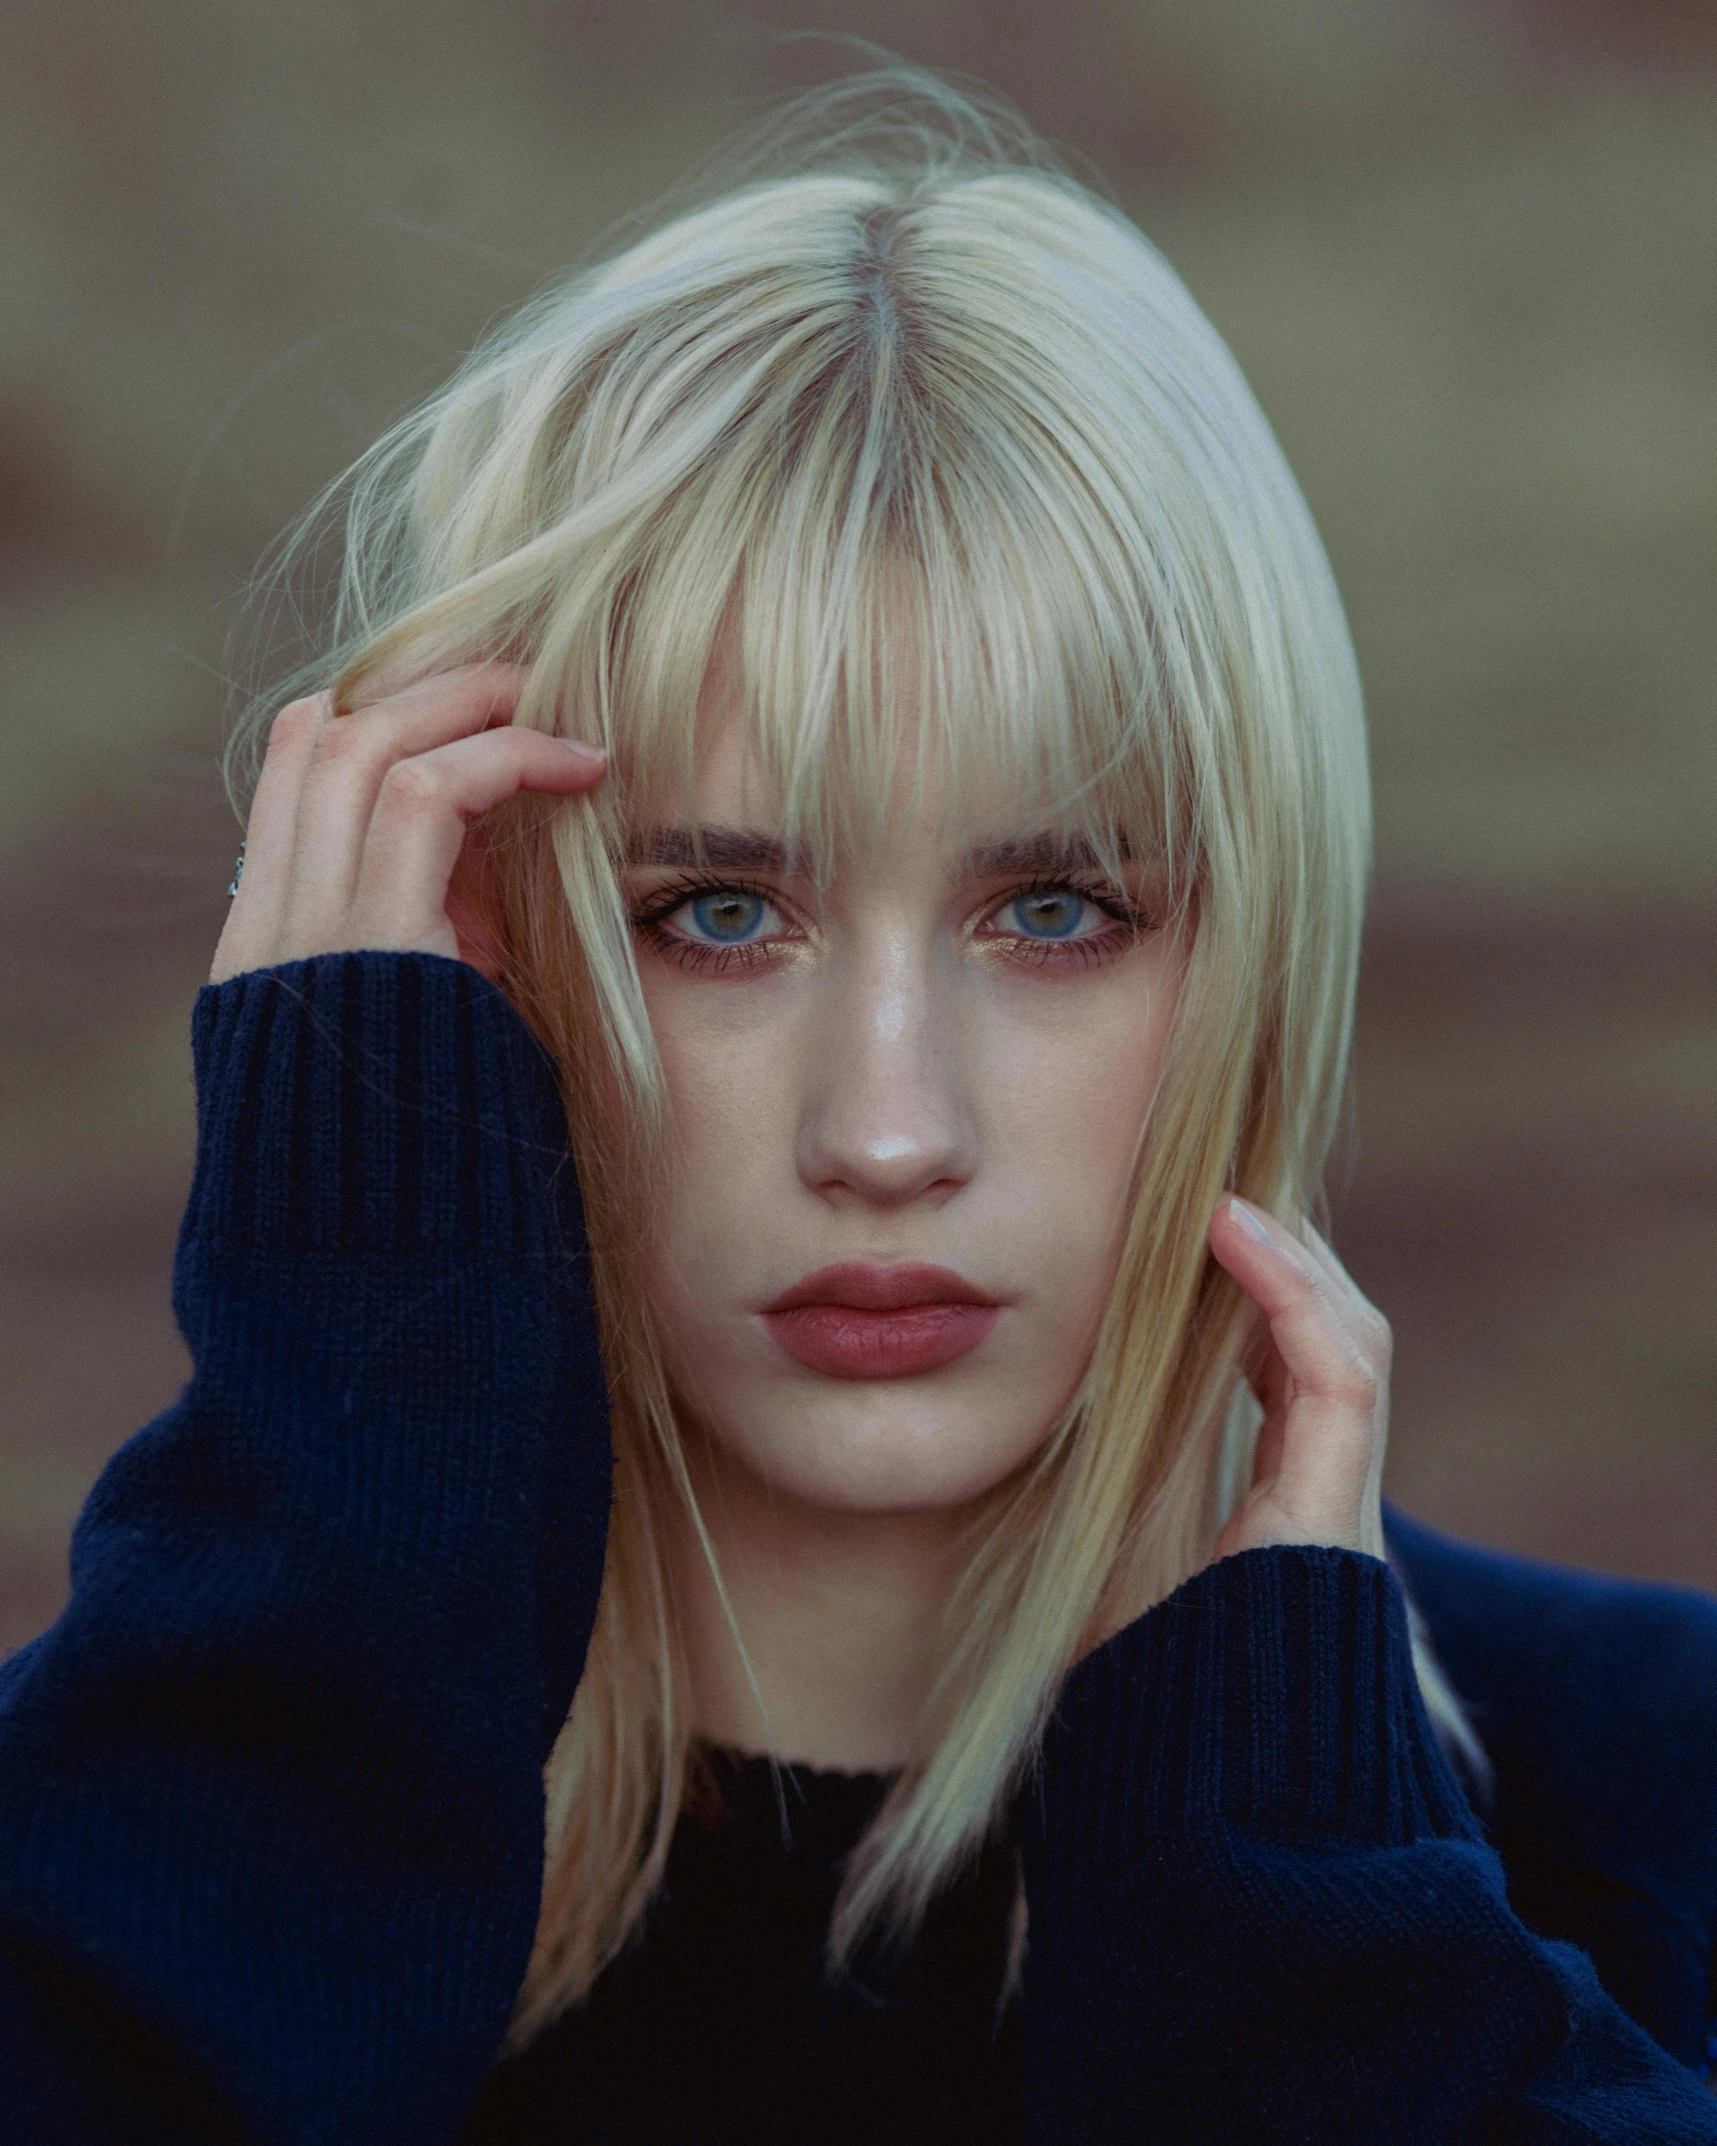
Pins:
<point x="907" y="367"/>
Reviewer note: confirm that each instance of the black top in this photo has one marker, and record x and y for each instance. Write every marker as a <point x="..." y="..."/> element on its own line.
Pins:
<point x="720" y="2022"/>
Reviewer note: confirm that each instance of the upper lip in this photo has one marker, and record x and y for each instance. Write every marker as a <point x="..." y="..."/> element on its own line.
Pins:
<point x="862" y="1287"/>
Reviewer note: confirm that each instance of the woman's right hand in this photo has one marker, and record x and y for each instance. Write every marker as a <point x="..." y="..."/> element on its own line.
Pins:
<point x="359" y="820"/>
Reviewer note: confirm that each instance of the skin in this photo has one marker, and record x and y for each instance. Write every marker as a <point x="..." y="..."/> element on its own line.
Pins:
<point x="946" y="1060"/>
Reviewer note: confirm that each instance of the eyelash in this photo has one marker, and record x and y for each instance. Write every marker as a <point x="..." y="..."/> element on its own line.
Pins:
<point x="1128" y="923"/>
<point x="649" y="921"/>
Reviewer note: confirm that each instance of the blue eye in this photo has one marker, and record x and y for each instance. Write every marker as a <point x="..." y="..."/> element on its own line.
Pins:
<point x="727" y="916"/>
<point x="1056" y="913"/>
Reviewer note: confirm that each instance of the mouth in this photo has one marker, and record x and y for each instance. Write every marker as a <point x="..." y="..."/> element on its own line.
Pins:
<point x="858" y="1321"/>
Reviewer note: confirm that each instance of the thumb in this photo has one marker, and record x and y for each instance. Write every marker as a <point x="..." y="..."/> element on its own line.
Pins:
<point x="474" y="906"/>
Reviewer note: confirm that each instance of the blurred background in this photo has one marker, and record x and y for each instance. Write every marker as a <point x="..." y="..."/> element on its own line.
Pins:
<point x="1467" y="252"/>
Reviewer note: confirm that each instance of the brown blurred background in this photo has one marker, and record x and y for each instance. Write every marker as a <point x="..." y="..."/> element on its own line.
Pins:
<point x="1467" y="254"/>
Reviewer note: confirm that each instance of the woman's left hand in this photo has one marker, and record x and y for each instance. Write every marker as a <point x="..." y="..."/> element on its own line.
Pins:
<point x="1320" y="1366"/>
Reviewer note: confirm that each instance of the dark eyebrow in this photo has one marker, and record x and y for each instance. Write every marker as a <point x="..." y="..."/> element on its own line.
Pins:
<point x="1043" y="854"/>
<point x="741" y="849"/>
<point x="748" y="849"/>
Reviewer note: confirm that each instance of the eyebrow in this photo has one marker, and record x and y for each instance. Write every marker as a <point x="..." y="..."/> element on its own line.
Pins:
<point x="1043" y="854"/>
<point x="743" y="849"/>
<point x="749" y="849"/>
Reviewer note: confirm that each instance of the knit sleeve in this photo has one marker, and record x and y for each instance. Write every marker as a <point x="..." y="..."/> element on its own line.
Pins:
<point x="272" y="1785"/>
<point x="1260" y="1906"/>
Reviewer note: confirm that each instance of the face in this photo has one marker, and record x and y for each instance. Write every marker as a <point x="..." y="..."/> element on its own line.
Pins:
<point x="906" y="1106"/>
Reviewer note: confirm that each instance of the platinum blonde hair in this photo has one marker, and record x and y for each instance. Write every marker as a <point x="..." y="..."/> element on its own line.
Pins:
<point x="907" y="374"/>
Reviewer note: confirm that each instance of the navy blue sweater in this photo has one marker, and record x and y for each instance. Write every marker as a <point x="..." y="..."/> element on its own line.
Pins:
<point x="272" y="1792"/>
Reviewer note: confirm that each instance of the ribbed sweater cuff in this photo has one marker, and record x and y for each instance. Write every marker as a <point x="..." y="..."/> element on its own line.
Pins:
<point x="1273" y="1693"/>
<point x="373" y="1102"/>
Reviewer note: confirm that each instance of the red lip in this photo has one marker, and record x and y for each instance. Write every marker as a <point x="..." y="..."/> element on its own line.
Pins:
<point x="856" y="1321"/>
<point x="868" y="1288"/>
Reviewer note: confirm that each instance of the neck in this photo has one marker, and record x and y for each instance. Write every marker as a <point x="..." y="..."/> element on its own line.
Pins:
<point x="840" y="1612"/>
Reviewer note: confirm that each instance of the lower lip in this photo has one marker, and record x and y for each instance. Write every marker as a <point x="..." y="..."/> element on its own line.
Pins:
<point x="843" y="1342"/>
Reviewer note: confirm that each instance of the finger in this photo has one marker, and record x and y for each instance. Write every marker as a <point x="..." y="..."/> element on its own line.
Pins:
<point x="1267" y="1452"/>
<point x="1259" y="1251"/>
<point x="477" y="932"/>
<point x="350" y="758"/>
<point x="1309" y="1318"/>
<point x="475" y="900"/>
<point x="1331" y="1356"/>
<point x="481" y="690"/>
<point x="1266" y="1368"/>
<point x="1265" y="1371"/>
<point x="245" y="941"/>
<point x="425" y="805"/>
<point x="1328" y="1263"/>
<point x="1350" y="1302"/>
<point x="1367" y="1324"/>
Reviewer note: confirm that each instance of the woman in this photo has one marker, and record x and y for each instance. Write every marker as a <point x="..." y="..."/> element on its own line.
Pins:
<point x="841" y="704"/>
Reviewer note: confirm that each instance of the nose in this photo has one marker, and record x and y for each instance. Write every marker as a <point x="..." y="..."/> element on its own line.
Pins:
<point x="886" y="1120"/>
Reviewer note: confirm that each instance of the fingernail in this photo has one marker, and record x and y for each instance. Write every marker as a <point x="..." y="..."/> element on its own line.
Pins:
<point x="1248" y="1221"/>
<point x="584" y="750"/>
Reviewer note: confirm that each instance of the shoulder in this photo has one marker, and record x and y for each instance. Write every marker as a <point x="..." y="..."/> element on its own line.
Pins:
<point x="1596" y="1701"/>
<point x="1546" y="1650"/>
<point x="1588" y="1626"/>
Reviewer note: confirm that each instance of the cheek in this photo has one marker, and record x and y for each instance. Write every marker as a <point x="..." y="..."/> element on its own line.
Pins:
<point x="1065" y="1091"/>
<point x="1066" y="1097"/>
<point x="729" y="1090"/>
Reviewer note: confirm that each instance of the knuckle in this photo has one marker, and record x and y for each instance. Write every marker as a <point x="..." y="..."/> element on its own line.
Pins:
<point x="335" y="743"/>
<point x="1361" y="1385"/>
<point x="412" y="785"/>
<point x="297" y="720"/>
<point x="1363" y="1380"/>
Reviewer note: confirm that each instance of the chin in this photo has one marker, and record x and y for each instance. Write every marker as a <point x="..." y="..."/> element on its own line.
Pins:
<point x="883" y="1448"/>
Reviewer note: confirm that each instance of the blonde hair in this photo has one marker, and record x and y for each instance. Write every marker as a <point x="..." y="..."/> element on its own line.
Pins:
<point x="909" y="370"/>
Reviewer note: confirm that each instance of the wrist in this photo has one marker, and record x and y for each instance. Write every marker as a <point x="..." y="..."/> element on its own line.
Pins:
<point x="372" y="1101"/>
<point x="1274" y="1693"/>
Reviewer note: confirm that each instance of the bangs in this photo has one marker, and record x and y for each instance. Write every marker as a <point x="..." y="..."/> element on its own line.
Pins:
<point x="884" y="674"/>
<point x="912" y="594"/>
